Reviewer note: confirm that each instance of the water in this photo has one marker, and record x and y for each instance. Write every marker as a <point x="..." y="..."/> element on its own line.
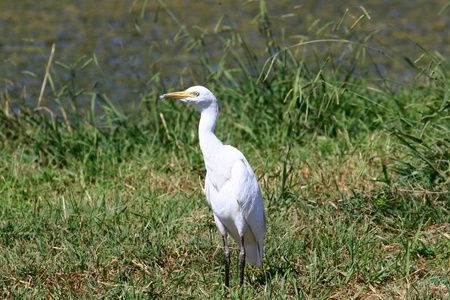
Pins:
<point x="136" y="40"/>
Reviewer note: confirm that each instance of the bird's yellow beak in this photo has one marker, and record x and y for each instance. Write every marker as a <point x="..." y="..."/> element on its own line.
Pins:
<point x="178" y="95"/>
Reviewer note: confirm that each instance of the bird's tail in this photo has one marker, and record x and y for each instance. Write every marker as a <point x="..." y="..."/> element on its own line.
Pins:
<point x="253" y="248"/>
<point x="254" y="253"/>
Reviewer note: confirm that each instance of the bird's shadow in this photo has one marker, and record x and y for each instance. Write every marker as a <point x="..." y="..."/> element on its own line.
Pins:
<point x="270" y="271"/>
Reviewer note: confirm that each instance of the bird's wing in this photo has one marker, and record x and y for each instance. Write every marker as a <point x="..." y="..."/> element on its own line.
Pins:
<point x="232" y="176"/>
<point x="245" y="190"/>
<point x="245" y="184"/>
<point x="248" y="195"/>
<point x="233" y="192"/>
<point x="219" y="166"/>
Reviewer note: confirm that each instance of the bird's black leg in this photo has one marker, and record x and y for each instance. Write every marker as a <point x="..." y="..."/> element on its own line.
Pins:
<point x="242" y="256"/>
<point x="227" y="261"/>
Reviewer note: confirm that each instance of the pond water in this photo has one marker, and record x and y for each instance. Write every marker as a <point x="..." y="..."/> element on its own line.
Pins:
<point x="130" y="42"/>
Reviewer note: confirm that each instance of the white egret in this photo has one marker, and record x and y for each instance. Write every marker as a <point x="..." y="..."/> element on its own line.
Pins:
<point x="231" y="187"/>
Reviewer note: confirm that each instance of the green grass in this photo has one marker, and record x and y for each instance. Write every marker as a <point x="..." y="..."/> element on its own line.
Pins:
<point x="355" y="172"/>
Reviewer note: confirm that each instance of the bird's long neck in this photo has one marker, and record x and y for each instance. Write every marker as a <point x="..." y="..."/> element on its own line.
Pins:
<point x="208" y="119"/>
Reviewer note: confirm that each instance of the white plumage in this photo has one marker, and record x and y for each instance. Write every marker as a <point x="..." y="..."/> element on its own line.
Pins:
<point x="231" y="187"/>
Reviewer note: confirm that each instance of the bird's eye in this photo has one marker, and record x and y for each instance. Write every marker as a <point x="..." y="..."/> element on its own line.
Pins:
<point x="196" y="94"/>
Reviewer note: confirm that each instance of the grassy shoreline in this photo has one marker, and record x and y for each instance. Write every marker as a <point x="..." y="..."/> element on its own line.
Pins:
<point x="355" y="172"/>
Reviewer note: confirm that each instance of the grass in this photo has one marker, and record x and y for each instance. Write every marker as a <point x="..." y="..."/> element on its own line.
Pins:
<point x="95" y="203"/>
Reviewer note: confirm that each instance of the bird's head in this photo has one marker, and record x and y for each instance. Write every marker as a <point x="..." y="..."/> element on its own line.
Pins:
<point x="197" y="95"/>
